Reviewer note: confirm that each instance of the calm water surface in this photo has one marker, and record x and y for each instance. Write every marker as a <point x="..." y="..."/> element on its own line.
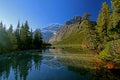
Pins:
<point x="48" y="64"/>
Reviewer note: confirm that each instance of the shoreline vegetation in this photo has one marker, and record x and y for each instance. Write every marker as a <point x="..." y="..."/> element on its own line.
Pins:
<point x="102" y="38"/>
<point x="81" y="64"/>
<point x="20" y="39"/>
<point x="77" y="50"/>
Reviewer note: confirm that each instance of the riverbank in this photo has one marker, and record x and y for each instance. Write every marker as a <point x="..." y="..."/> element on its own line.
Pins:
<point x="79" y="64"/>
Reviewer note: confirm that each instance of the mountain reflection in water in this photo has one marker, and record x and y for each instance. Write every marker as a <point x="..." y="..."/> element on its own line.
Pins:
<point x="45" y="65"/>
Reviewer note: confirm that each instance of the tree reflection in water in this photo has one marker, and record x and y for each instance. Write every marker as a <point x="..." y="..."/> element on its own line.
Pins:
<point x="57" y="64"/>
<point x="20" y="64"/>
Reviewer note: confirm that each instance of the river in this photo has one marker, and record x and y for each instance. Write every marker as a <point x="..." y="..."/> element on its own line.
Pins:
<point x="52" y="64"/>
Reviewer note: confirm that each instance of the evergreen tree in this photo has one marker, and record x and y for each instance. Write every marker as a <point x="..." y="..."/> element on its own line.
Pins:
<point x="88" y="27"/>
<point x="17" y="34"/>
<point x="30" y="39"/>
<point x="4" y="47"/>
<point x="21" y="39"/>
<point x="1" y="26"/>
<point x="116" y="5"/>
<point x="114" y="25"/>
<point x="24" y="35"/>
<point x="37" y="39"/>
<point x="102" y="23"/>
<point x="102" y="26"/>
<point x="12" y="38"/>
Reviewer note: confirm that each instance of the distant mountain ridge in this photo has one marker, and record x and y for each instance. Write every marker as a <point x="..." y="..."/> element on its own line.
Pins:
<point x="74" y="20"/>
<point x="49" y="31"/>
<point x="52" y="28"/>
<point x="69" y="27"/>
<point x="70" y="32"/>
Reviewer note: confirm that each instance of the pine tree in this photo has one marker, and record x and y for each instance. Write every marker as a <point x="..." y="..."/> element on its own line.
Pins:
<point x="4" y="47"/>
<point x="30" y="37"/>
<point x="116" y="5"/>
<point x="89" y="31"/>
<point x="37" y="39"/>
<point x="17" y="34"/>
<point x="114" y="25"/>
<point x="12" y="38"/>
<point x="21" y="39"/>
<point x="24" y="35"/>
<point x="102" y="23"/>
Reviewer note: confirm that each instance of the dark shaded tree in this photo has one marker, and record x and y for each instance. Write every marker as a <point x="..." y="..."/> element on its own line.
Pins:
<point x="17" y="34"/>
<point x="24" y="35"/>
<point x="37" y="41"/>
<point x="12" y="39"/>
<point x="20" y="39"/>
<point x="3" y="39"/>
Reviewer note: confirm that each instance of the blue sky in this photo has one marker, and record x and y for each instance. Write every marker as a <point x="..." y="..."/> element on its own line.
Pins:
<point x="41" y="13"/>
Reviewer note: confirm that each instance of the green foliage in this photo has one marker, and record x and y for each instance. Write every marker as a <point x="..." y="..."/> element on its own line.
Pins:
<point x="116" y="5"/>
<point x="85" y="36"/>
<point x="89" y="31"/>
<point x="111" y="52"/>
<point x="105" y="52"/>
<point x="3" y="39"/>
<point x="114" y="25"/>
<point x="24" y="35"/>
<point x="12" y="38"/>
<point x="102" y="23"/>
<point x="108" y="30"/>
<point x="103" y="37"/>
<point x="37" y="39"/>
<point x="17" y="35"/>
<point x="20" y="39"/>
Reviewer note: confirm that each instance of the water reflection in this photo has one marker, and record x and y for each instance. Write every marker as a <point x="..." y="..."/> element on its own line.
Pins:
<point x="17" y="67"/>
<point x="84" y="65"/>
<point x="51" y="64"/>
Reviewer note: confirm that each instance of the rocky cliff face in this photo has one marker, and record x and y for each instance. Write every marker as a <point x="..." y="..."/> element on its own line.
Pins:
<point x="72" y="32"/>
<point x="67" y="29"/>
<point x="49" y="31"/>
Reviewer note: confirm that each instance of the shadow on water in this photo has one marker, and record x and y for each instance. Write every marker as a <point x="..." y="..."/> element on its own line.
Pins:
<point x="84" y="65"/>
<point x="91" y="74"/>
<point x="17" y="66"/>
<point x="53" y="64"/>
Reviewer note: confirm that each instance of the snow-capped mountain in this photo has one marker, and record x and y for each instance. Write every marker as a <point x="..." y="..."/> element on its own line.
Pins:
<point x="49" y="31"/>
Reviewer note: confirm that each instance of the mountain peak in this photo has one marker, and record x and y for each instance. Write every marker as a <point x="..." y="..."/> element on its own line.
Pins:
<point x="74" y="20"/>
<point x="52" y="27"/>
<point x="49" y="31"/>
